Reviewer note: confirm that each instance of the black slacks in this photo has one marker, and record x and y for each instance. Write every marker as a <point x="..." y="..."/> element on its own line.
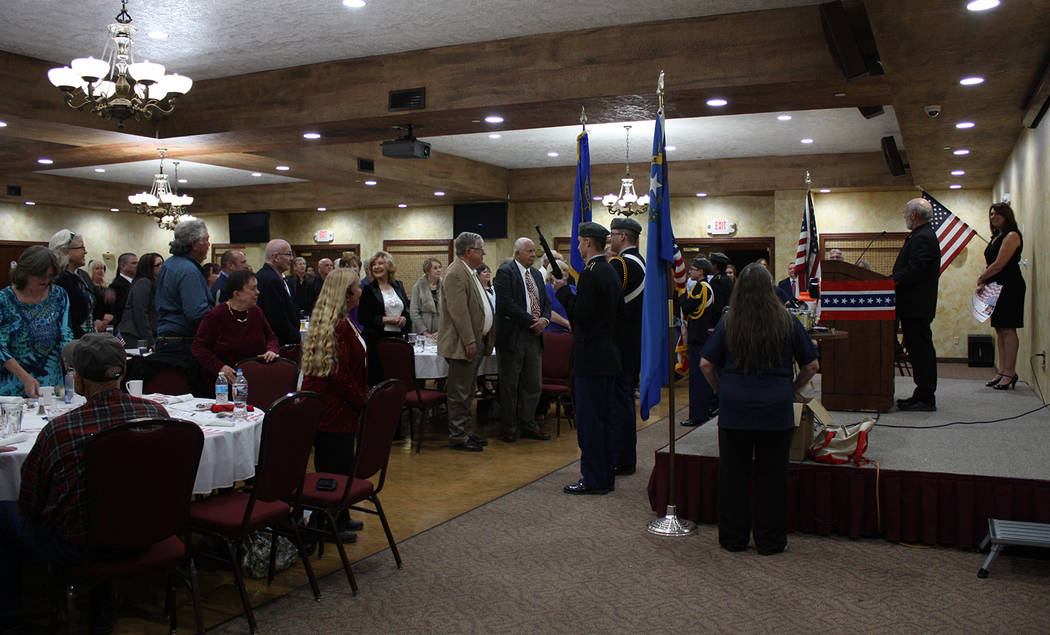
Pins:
<point x="918" y="340"/>
<point x="770" y="449"/>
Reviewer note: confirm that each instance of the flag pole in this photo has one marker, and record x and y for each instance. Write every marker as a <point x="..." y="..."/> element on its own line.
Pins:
<point x="670" y="524"/>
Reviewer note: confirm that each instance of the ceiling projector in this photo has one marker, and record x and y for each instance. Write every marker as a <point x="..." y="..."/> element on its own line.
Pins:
<point x="406" y="147"/>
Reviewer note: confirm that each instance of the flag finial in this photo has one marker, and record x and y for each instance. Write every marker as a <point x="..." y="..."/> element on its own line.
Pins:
<point x="808" y="181"/>
<point x="583" y="117"/>
<point x="660" y="90"/>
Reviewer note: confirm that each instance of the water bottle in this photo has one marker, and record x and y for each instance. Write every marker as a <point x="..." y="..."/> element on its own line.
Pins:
<point x="240" y="394"/>
<point x="69" y="390"/>
<point x="222" y="389"/>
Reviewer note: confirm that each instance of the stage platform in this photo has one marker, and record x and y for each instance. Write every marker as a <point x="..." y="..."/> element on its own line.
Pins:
<point x="931" y="484"/>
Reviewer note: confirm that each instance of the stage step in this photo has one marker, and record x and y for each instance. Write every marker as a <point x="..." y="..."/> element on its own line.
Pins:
<point x="1012" y="532"/>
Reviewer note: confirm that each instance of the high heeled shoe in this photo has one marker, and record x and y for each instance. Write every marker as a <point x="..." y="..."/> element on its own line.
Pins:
<point x="995" y="380"/>
<point x="1008" y="385"/>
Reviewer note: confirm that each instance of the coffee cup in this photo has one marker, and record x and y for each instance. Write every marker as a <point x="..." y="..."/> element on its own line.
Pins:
<point x="47" y="395"/>
<point x="134" y="387"/>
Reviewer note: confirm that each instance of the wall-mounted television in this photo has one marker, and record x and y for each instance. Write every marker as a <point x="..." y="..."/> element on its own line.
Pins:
<point x="250" y="227"/>
<point x="487" y="219"/>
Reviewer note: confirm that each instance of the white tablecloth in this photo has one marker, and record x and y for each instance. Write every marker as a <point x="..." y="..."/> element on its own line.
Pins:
<point x="430" y="365"/>
<point x="229" y="452"/>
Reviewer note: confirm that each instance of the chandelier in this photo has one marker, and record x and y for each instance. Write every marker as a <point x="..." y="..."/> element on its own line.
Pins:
<point x="163" y="202"/>
<point x="115" y="86"/>
<point x="627" y="203"/>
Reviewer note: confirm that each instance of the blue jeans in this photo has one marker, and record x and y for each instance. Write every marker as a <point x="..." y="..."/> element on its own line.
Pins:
<point x="22" y="537"/>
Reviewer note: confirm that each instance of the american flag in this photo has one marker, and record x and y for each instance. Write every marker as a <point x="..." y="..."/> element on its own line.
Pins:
<point x="857" y="300"/>
<point x="952" y="233"/>
<point x="808" y="254"/>
<point x="681" y="349"/>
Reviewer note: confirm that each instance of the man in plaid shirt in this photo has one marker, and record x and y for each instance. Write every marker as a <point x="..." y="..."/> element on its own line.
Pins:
<point x="50" y="519"/>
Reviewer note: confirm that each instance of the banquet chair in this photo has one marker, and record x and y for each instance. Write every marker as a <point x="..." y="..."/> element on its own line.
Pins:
<point x="272" y="503"/>
<point x="557" y="375"/>
<point x="398" y="359"/>
<point x="268" y="382"/>
<point x="138" y="524"/>
<point x="379" y="419"/>
<point x="293" y="352"/>
<point x="167" y="381"/>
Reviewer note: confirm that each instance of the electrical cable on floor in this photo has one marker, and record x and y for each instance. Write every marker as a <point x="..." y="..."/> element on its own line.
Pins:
<point x="1035" y="376"/>
<point x="963" y="423"/>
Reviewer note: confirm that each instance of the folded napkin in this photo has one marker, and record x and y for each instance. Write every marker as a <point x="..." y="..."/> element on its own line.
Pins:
<point x="168" y="399"/>
<point x="227" y="407"/>
<point x="14" y="439"/>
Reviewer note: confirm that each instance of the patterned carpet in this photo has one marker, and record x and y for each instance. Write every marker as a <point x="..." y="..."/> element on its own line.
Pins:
<point x="539" y="561"/>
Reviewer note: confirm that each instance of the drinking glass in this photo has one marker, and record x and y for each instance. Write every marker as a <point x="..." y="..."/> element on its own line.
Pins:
<point x="10" y="419"/>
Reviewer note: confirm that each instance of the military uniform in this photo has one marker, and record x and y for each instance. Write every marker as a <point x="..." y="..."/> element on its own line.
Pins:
<point x="698" y="306"/>
<point x="629" y="267"/>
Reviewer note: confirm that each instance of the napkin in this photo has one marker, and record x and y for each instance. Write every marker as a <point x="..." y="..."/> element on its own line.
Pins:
<point x="168" y="399"/>
<point x="227" y="407"/>
<point x="14" y="439"/>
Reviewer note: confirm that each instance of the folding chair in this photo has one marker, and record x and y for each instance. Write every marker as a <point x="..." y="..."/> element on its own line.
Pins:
<point x="398" y="359"/>
<point x="268" y="382"/>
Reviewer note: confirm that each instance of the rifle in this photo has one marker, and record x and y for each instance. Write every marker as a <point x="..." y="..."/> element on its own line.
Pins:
<point x="555" y="269"/>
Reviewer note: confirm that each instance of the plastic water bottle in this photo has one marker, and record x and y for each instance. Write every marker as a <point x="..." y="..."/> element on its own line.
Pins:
<point x="222" y="390"/>
<point x="69" y="390"/>
<point x="240" y="394"/>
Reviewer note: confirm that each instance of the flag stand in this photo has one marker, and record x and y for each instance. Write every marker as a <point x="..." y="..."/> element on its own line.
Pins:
<point x="670" y="524"/>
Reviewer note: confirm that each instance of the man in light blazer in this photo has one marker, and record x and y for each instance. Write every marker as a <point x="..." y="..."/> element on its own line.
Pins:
<point x="465" y="336"/>
<point x="523" y="311"/>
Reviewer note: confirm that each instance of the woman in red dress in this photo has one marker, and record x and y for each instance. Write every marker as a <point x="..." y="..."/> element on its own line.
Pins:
<point x="335" y="364"/>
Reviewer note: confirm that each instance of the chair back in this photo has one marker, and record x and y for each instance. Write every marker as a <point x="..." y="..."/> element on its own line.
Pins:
<point x="397" y="359"/>
<point x="287" y="437"/>
<point x="557" y="356"/>
<point x="140" y="480"/>
<point x="167" y="381"/>
<point x="293" y="352"/>
<point x="268" y="382"/>
<point x="379" y="420"/>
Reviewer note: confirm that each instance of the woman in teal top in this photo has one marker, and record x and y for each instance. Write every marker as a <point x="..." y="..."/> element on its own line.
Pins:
<point x="34" y="325"/>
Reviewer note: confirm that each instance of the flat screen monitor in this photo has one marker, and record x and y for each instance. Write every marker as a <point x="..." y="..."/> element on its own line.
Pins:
<point x="487" y="219"/>
<point x="250" y="227"/>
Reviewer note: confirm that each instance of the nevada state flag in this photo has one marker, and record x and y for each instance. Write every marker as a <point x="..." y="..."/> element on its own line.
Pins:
<point x="857" y="300"/>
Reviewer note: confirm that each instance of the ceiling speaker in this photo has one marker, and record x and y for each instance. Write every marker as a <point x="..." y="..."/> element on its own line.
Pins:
<point x="892" y="156"/>
<point x="870" y="112"/>
<point x="850" y="39"/>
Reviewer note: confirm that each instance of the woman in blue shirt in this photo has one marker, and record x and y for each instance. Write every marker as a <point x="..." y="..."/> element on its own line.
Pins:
<point x="749" y="362"/>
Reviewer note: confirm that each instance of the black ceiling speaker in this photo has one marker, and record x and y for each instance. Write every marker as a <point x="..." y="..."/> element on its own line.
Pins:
<point x="892" y="156"/>
<point x="14" y="190"/>
<point x="870" y="112"/>
<point x="850" y="39"/>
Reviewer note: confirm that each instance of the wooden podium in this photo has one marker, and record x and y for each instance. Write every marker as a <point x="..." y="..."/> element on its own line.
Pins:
<point x="857" y="373"/>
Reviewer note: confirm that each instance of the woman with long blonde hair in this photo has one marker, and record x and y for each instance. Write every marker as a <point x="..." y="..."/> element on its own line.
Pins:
<point x="334" y="364"/>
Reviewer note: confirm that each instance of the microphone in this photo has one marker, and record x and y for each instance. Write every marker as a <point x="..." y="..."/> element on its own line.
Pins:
<point x="861" y="256"/>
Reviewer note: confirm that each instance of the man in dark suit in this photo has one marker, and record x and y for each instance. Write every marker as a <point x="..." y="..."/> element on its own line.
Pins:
<point x="275" y="299"/>
<point x="916" y="273"/>
<point x="786" y="287"/>
<point x="126" y="265"/>
<point x="629" y="267"/>
<point x="593" y="313"/>
<point x="523" y="311"/>
<point x="232" y="260"/>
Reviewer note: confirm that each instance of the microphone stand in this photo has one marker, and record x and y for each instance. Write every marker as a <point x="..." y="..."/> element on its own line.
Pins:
<point x="870" y="242"/>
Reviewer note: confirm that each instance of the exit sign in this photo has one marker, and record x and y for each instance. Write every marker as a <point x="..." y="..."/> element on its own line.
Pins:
<point x="324" y="235"/>
<point x="721" y="226"/>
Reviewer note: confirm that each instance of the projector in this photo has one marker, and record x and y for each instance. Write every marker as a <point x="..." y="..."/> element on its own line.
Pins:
<point x="406" y="148"/>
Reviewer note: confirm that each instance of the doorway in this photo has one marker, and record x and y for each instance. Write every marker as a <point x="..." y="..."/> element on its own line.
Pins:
<point x="740" y="251"/>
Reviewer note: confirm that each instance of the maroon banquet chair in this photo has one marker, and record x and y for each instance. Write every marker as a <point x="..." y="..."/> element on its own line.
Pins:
<point x="140" y="478"/>
<point x="268" y="382"/>
<point x="287" y="438"/>
<point x="399" y="362"/>
<point x="557" y="375"/>
<point x="379" y="418"/>
<point x="167" y="381"/>
<point x="293" y="352"/>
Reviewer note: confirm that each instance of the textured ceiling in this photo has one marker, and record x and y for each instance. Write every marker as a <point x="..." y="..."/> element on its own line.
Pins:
<point x="834" y="131"/>
<point x="219" y="38"/>
<point x="197" y="175"/>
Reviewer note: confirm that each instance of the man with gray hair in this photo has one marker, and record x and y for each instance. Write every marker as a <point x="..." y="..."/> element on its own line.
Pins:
<point x="232" y="260"/>
<point x="916" y="273"/>
<point x="523" y="311"/>
<point x="301" y="286"/>
<point x="465" y="336"/>
<point x="275" y="298"/>
<point x="182" y="296"/>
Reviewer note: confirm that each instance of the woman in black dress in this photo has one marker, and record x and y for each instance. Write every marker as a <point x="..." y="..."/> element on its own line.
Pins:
<point x="1002" y="257"/>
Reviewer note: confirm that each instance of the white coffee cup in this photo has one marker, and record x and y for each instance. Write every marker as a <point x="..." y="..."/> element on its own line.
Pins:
<point x="134" y="387"/>
<point x="47" y="395"/>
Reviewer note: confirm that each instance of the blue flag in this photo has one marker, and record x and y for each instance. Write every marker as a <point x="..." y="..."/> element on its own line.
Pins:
<point x="581" y="203"/>
<point x="659" y="254"/>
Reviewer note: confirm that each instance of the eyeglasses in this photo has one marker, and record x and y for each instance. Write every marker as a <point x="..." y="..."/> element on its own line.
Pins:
<point x="481" y="249"/>
<point x="286" y="254"/>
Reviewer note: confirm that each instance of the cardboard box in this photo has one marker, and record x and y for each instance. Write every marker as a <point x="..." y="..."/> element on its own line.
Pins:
<point x="808" y="417"/>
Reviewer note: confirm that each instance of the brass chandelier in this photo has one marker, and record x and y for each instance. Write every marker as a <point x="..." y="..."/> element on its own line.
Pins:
<point x="627" y="203"/>
<point x="163" y="202"/>
<point x="115" y="86"/>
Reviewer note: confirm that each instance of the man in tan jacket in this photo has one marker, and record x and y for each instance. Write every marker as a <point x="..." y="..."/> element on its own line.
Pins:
<point x="464" y="337"/>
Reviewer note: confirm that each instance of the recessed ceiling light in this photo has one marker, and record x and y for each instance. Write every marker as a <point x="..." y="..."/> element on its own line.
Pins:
<point x="44" y="161"/>
<point x="807" y="140"/>
<point x="840" y="94"/>
<point x="553" y="154"/>
<point x="439" y="193"/>
<point x="30" y="203"/>
<point x="354" y="4"/>
<point x="824" y="190"/>
<point x="495" y="135"/>
<point x="961" y="152"/>
<point x="670" y="148"/>
<point x="256" y="173"/>
<point x="493" y="119"/>
<point x="958" y="172"/>
<point x="100" y="170"/>
<point x="784" y="117"/>
<point x="311" y="135"/>
<point x="954" y="186"/>
<point x="370" y="182"/>
<point x="596" y="198"/>
<point x="3" y="124"/>
<point x="184" y="181"/>
<point x="282" y="168"/>
<point x="971" y="81"/>
<point x="982" y="5"/>
<point x="114" y="209"/>
<point x="963" y="125"/>
<point x="701" y="194"/>
<point x="717" y="102"/>
<point x="402" y="204"/>
<point x="322" y="209"/>
<point x="157" y="35"/>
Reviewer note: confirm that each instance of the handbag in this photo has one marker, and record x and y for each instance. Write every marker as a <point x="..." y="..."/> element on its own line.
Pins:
<point x="838" y="445"/>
